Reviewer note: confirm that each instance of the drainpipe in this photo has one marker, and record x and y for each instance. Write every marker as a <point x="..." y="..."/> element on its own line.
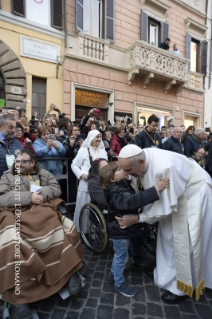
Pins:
<point x="210" y="66"/>
<point x="65" y="23"/>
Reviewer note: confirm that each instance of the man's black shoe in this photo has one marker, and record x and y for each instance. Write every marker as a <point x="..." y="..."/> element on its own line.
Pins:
<point x="172" y="299"/>
<point x="151" y="249"/>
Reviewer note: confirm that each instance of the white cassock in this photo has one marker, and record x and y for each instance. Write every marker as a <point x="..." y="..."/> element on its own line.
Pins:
<point x="184" y="243"/>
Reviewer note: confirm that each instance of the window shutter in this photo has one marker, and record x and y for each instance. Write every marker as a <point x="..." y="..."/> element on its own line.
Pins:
<point x="144" y="26"/>
<point x="79" y="15"/>
<point x="164" y="32"/>
<point x="109" y="20"/>
<point x="188" y="48"/>
<point x="57" y="14"/>
<point x="18" y="7"/>
<point x="204" y="49"/>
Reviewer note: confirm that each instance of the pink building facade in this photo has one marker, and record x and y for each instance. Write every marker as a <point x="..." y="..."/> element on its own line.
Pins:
<point x="113" y="61"/>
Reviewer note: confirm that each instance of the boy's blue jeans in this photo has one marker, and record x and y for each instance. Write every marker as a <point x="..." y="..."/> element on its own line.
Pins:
<point x="120" y="258"/>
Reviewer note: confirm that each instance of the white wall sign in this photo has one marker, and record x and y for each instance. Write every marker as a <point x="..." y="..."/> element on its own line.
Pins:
<point x="40" y="50"/>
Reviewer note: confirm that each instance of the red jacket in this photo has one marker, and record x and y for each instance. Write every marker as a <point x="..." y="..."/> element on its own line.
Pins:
<point x="116" y="145"/>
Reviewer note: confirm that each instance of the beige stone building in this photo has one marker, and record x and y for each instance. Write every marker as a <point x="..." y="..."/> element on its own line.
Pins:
<point x="31" y="53"/>
<point x="113" y="61"/>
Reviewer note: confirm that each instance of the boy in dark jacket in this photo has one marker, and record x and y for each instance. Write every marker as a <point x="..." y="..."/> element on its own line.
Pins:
<point x="122" y="200"/>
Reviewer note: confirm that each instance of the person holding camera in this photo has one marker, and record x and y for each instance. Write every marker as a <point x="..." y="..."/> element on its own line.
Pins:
<point x="47" y="146"/>
<point x="118" y="141"/>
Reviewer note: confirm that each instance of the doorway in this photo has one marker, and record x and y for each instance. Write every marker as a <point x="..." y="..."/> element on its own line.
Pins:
<point x="39" y="96"/>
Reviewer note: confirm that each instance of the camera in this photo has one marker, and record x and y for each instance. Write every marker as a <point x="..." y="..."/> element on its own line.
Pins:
<point x="207" y="129"/>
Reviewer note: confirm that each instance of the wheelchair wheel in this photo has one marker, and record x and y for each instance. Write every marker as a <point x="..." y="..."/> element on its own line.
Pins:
<point x="95" y="236"/>
<point x="84" y="270"/>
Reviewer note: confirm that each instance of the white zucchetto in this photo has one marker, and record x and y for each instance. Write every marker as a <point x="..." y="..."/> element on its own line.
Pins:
<point x="130" y="151"/>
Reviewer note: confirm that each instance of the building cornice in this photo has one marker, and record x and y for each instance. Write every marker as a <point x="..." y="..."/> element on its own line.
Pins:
<point x="190" y="8"/>
<point x="27" y="24"/>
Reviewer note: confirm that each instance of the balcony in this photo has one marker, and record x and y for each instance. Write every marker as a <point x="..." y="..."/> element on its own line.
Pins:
<point x="151" y="62"/>
<point x="141" y="59"/>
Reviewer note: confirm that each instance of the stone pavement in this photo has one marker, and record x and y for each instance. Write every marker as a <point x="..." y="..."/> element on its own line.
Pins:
<point x="97" y="299"/>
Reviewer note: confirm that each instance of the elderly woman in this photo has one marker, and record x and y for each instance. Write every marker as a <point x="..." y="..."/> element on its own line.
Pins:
<point x="118" y="141"/>
<point x="91" y="149"/>
<point x="46" y="147"/>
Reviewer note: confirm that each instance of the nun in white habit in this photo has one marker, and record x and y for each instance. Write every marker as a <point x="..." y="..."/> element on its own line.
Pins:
<point x="92" y="149"/>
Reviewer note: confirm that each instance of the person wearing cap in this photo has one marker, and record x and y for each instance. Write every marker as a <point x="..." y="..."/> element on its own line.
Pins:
<point x="184" y="243"/>
<point x="91" y="149"/>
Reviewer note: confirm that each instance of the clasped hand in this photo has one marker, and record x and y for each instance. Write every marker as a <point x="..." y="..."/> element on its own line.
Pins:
<point x="36" y="198"/>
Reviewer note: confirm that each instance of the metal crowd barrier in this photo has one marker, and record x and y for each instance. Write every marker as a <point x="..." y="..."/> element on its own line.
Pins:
<point x="59" y="177"/>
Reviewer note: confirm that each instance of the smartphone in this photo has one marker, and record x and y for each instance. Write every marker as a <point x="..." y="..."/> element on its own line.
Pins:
<point x="52" y="137"/>
<point x="101" y="119"/>
<point x="97" y="111"/>
<point x="48" y="115"/>
<point x="107" y="149"/>
<point x="119" y="215"/>
<point x="108" y="122"/>
<point x="79" y="137"/>
<point x="131" y="130"/>
<point x="56" y="129"/>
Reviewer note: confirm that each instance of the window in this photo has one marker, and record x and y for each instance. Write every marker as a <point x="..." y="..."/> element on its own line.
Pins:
<point x="48" y="12"/>
<point x="96" y="18"/>
<point x="196" y="52"/>
<point x="153" y="31"/>
<point x="18" y="7"/>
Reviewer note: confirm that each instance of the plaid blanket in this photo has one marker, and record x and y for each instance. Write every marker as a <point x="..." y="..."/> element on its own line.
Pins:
<point x="40" y="261"/>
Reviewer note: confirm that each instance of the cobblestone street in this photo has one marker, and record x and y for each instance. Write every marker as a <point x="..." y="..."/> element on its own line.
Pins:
<point x="97" y="299"/>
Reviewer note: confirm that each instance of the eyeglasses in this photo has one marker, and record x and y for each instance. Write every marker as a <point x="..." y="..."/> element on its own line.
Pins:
<point x="18" y="130"/>
<point x="22" y="161"/>
<point x="35" y="133"/>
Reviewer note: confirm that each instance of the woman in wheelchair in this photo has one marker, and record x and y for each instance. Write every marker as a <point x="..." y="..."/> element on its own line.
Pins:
<point x="122" y="200"/>
<point x="94" y="188"/>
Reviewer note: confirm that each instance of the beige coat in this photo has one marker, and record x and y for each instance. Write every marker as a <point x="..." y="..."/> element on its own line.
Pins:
<point x="9" y="197"/>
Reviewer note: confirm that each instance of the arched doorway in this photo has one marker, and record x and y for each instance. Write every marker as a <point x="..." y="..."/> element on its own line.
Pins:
<point x="13" y="77"/>
<point x="2" y="89"/>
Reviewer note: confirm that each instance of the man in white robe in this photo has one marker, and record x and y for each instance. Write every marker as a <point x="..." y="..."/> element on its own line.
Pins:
<point x="184" y="243"/>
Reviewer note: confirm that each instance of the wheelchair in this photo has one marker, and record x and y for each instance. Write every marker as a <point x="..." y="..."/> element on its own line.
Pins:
<point x="95" y="237"/>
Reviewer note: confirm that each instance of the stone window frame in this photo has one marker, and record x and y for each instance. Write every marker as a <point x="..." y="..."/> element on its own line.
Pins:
<point x="111" y="109"/>
<point x="196" y="29"/>
<point x="150" y="106"/>
<point x="155" y="9"/>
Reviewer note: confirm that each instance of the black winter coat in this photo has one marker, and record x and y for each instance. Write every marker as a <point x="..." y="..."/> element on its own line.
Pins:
<point x="95" y="191"/>
<point x="174" y="145"/>
<point x="192" y="143"/>
<point x="144" y="141"/>
<point x="122" y="200"/>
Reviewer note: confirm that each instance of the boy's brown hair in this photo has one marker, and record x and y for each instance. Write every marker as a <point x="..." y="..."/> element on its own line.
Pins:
<point x="106" y="174"/>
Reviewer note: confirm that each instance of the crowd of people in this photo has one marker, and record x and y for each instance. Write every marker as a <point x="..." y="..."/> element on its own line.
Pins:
<point x="94" y="147"/>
